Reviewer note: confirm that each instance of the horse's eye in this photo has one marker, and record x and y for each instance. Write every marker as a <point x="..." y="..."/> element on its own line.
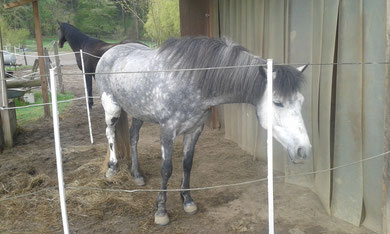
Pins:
<point x="278" y="104"/>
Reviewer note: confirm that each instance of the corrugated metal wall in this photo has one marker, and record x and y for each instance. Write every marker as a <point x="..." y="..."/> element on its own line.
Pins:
<point x="344" y="104"/>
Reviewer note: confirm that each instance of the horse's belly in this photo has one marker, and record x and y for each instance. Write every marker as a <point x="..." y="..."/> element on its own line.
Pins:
<point x="145" y="107"/>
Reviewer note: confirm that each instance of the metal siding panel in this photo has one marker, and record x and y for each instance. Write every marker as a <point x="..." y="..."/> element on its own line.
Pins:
<point x="322" y="191"/>
<point x="224" y="17"/>
<point x="225" y="14"/>
<point x="251" y="45"/>
<point x="247" y="114"/>
<point x="236" y="37"/>
<point x="276" y="51"/>
<point x="373" y="112"/>
<point x="323" y="157"/>
<point x="261" y="39"/>
<point x="300" y="51"/>
<point x="259" y="27"/>
<point x="347" y="198"/>
<point x="276" y="30"/>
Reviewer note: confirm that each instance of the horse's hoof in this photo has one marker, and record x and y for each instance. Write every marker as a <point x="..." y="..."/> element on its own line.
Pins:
<point x="161" y="219"/>
<point x="110" y="173"/>
<point x="190" y="208"/>
<point x="139" y="181"/>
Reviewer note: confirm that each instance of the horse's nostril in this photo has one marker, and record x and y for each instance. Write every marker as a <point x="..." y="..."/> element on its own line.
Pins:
<point x="300" y="152"/>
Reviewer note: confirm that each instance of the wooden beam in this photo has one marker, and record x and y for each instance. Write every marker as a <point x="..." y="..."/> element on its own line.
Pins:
<point x="42" y="70"/>
<point x="16" y="4"/>
<point x="5" y="115"/>
<point x="20" y="83"/>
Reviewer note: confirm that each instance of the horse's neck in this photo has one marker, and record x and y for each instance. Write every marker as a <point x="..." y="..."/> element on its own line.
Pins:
<point x="77" y="44"/>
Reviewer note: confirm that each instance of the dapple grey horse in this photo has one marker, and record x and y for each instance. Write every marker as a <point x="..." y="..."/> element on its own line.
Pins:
<point x="180" y="101"/>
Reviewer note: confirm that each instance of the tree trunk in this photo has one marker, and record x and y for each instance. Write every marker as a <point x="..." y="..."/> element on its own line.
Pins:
<point x="136" y="20"/>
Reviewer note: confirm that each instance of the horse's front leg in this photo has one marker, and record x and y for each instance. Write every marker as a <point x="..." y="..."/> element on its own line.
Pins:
<point x="189" y="143"/>
<point x="136" y="124"/>
<point x="161" y="215"/>
<point x="88" y="79"/>
<point x="112" y="112"/>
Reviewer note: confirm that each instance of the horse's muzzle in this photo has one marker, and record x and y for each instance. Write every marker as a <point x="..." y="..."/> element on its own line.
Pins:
<point x="299" y="154"/>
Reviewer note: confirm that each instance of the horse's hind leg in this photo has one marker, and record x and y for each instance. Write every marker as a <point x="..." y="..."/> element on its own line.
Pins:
<point x="136" y="124"/>
<point x="112" y="112"/>
<point x="189" y="143"/>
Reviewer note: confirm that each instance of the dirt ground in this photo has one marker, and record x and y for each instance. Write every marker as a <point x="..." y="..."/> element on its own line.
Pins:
<point x="30" y="167"/>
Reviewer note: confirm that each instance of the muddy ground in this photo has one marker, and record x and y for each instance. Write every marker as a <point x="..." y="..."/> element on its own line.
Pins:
<point x="30" y="167"/>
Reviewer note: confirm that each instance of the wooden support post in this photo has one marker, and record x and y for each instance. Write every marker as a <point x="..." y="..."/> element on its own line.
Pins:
<point x="24" y="55"/>
<point x="38" y="35"/>
<point x="5" y="116"/>
<point x="47" y="64"/>
<point x="195" y="19"/>
<point x="58" y="67"/>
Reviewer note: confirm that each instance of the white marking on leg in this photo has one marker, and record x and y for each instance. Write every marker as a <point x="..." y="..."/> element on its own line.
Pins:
<point x="112" y="112"/>
<point x="162" y="151"/>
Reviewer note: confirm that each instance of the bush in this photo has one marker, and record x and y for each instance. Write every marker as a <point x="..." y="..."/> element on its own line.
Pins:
<point x="13" y="36"/>
<point x="163" y="20"/>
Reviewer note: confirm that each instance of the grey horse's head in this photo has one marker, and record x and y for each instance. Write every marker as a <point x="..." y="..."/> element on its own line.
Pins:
<point x="288" y="126"/>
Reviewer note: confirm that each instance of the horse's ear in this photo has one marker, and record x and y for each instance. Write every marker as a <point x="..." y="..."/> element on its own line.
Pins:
<point x="59" y="23"/>
<point x="302" y="68"/>
<point x="68" y="22"/>
<point x="273" y="73"/>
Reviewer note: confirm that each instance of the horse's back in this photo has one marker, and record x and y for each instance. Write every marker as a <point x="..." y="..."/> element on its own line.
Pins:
<point x="118" y="67"/>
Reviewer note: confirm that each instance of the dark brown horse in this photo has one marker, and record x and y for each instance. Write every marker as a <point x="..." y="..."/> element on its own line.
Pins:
<point x="78" y="40"/>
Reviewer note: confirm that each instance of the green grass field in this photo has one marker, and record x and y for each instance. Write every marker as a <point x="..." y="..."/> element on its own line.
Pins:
<point x="31" y="44"/>
<point x="27" y="115"/>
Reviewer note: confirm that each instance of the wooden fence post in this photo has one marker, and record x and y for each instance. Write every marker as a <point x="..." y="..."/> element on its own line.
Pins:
<point x="58" y="65"/>
<point x="47" y="64"/>
<point x="24" y="55"/>
<point x="5" y="116"/>
<point x="38" y="35"/>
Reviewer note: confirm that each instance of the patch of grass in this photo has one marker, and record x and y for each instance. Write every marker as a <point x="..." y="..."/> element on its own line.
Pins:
<point x="31" y="44"/>
<point x="28" y="115"/>
<point x="18" y="68"/>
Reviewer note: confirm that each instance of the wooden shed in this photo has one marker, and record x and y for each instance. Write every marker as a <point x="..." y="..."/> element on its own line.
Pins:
<point x="346" y="108"/>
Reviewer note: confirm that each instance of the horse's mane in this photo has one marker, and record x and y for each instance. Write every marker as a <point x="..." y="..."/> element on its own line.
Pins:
<point x="246" y="83"/>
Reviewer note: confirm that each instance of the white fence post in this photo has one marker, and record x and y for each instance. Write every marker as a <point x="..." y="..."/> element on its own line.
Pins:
<point x="270" y="147"/>
<point x="57" y="141"/>
<point x="86" y="96"/>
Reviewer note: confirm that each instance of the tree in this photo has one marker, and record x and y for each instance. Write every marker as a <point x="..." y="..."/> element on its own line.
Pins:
<point x="138" y="10"/>
<point x="96" y="17"/>
<point x="163" y="20"/>
<point x="12" y="36"/>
